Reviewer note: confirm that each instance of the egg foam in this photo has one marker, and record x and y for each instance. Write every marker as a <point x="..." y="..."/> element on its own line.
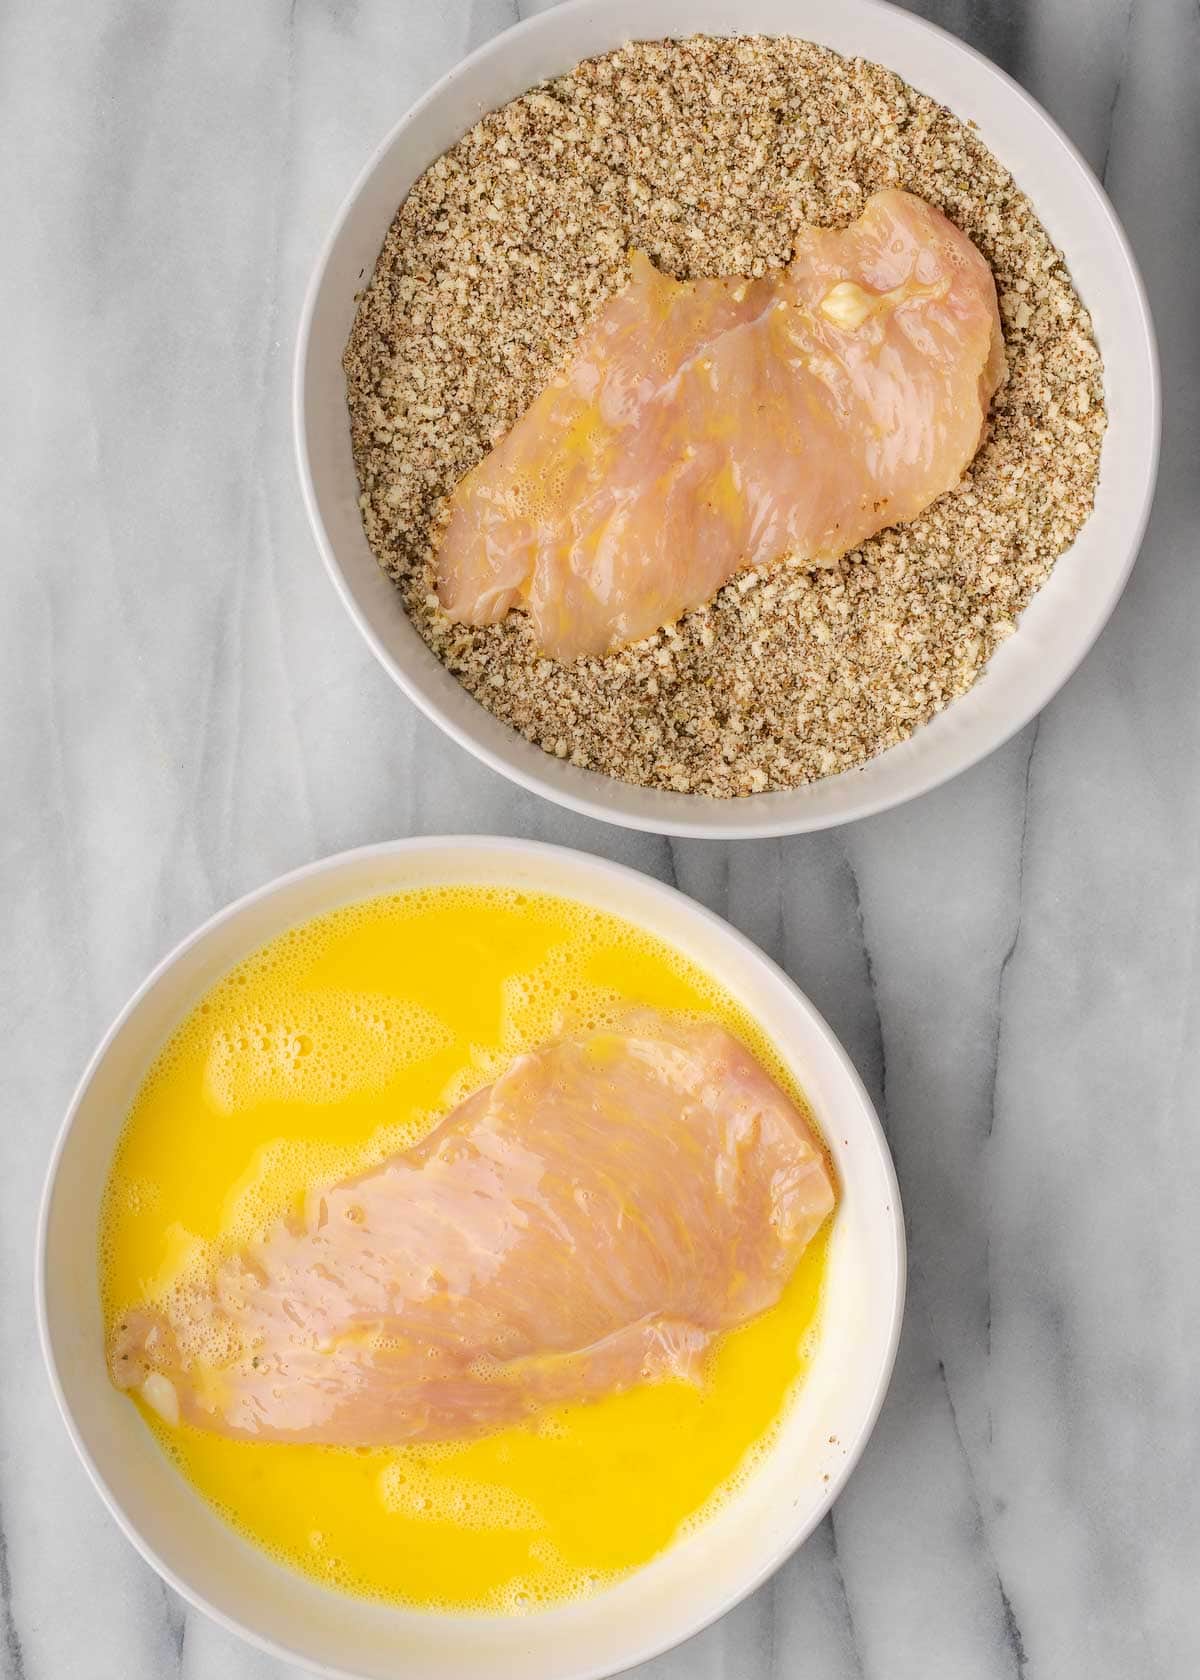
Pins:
<point x="331" y="1048"/>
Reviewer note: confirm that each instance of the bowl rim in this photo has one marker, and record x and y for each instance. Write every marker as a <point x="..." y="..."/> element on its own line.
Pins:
<point x="673" y="818"/>
<point x="332" y="865"/>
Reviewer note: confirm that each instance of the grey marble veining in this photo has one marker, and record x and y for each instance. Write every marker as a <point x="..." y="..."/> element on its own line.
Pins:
<point x="1012" y="961"/>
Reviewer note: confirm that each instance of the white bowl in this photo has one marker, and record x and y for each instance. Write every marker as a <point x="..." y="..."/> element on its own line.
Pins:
<point x="697" y="1578"/>
<point x="1061" y="623"/>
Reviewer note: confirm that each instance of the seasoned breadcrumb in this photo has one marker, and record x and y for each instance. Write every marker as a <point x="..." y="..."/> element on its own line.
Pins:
<point x="707" y="154"/>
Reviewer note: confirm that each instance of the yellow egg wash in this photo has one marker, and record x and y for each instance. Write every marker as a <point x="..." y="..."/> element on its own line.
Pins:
<point x="330" y="1049"/>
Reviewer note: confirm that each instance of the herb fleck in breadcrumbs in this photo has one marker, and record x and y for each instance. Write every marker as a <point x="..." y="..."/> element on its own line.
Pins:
<point x="707" y="154"/>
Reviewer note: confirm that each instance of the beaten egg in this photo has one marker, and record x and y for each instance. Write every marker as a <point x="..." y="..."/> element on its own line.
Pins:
<point x="333" y="1047"/>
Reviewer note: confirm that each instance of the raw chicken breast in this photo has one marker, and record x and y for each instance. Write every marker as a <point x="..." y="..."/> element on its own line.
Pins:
<point x="589" y="1221"/>
<point x="705" y="426"/>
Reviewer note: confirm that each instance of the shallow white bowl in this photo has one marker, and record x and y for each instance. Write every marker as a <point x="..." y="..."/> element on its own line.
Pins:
<point x="696" y="1579"/>
<point x="1063" y="620"/>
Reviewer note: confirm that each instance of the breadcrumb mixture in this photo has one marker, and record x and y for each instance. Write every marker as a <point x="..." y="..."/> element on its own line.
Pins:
<point x="707" y="154"/>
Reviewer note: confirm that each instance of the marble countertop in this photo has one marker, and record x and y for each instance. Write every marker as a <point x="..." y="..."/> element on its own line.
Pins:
<point x="1012" y="961"/>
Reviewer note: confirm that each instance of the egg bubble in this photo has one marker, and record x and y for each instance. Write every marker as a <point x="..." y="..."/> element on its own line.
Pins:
<point x="414" y="1489"/>
<point x="314" y="1046"/>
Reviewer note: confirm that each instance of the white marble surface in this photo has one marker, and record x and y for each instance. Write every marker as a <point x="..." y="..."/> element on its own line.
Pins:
<point x="1012" y="961"/>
